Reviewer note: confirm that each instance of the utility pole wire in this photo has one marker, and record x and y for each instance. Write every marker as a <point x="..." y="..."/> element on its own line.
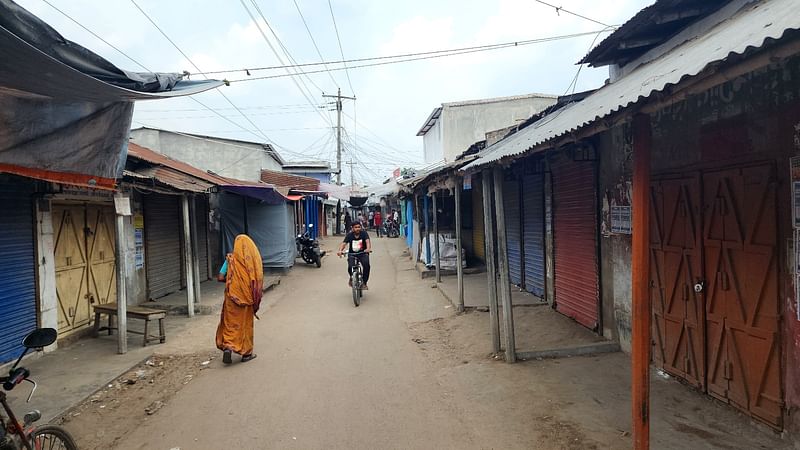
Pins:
<point x="515" y="44"/>
<point x="313" y="41"/>
<point x="339" y="40"/>
<point x="408" y="55"/>
<point x="98" y="37"/>
<point x="217" y="89"/>
<point x="275" y="52"/>
<point x="559" y="9"/>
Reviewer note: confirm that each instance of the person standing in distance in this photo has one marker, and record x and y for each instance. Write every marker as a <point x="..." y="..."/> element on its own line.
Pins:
<point x="359" y="247"/>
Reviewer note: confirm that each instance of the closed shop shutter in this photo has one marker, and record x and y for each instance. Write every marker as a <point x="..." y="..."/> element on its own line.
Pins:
<point x="478" y="236"/>
<point x="511" y="206"/>
<point x="162" y="244"/>
<point x="575" y="241"/>
<point x="201" y="220"/>
<point x="533" y="232"/>
<point x="18" y="283"/>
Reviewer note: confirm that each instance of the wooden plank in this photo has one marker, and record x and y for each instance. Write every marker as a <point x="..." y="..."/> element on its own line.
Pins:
<point x="502" y="263"/>
<point x="491" y="270"/>
<point x="459" y="262"/>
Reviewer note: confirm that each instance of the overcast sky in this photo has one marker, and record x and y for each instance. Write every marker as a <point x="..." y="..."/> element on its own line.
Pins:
<point x="393" y="100"/>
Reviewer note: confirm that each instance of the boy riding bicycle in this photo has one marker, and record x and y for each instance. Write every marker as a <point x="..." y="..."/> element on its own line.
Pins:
<point x="359" y="247"/>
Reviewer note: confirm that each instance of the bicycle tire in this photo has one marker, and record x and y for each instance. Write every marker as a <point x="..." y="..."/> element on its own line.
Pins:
<point x="54" y="436"/>
<point x="355" y="290"/>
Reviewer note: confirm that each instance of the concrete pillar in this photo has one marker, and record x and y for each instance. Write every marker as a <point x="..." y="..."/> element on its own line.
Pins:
<point x="187" y="256"/>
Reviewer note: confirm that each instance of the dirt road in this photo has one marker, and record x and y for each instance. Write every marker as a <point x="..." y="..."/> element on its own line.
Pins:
<point x="327" y="375"/>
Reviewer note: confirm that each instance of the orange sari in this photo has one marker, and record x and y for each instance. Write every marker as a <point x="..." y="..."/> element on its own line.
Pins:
<point x="243" y="289"/>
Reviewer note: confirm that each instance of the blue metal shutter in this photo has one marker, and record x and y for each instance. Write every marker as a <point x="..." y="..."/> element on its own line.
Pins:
<point x="513" y="231"/>
<point x="18" y="283"/>
<point x="533" y="232"/>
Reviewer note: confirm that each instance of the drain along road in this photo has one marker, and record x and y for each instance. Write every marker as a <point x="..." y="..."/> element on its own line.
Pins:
<point x="328" y="374"/>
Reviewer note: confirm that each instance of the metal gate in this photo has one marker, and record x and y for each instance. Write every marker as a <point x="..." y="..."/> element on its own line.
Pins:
<point x="715" y="248"/>
<point x="18" y="284"/>
<point x="163" y="244"/>
<point x="533" y="232"/>
<point x="575" y="241"/>
<point x="675" y="268"/>
<point x="85" y="262"/>
<point x="511" y="205"/>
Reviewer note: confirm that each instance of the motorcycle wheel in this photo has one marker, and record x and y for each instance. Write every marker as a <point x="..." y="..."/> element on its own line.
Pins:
<point x="308" y="258"/>
<point x="52" y="437"/>
<point x="318" y="261"/>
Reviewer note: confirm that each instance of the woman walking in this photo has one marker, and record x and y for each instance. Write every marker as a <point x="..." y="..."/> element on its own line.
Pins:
<point x="243" y="275"/>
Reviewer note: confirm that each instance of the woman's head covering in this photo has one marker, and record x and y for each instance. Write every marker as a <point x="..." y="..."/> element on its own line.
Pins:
<point x="245" y="273"/>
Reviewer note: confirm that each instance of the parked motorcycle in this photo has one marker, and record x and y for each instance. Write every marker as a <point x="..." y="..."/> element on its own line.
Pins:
<point x="16" y="435"/>
<point x="391" y="229"/>
<point x="308" y="249"/>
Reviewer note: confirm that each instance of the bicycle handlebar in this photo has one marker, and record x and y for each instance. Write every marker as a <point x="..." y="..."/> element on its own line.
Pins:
<point x="14" y="378"/>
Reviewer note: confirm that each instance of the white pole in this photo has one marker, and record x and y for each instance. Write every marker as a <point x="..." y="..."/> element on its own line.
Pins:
<point x="459" y="262"/>
<point x="187" y="256"/>
<point x="121" y="255"/>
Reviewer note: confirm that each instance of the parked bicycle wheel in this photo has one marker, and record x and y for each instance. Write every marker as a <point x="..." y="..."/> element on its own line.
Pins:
<point x="53" y="437"/>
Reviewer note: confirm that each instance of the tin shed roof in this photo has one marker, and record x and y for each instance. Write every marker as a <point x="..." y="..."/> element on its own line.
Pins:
<point x="751" y="27"/>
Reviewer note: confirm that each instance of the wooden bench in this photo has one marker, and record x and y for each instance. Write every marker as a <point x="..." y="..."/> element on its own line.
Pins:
<point x="133" y="312"/>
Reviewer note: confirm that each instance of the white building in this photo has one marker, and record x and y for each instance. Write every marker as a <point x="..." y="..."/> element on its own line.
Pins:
<point x="242" y="160"/>
<point x="453" y="127"/>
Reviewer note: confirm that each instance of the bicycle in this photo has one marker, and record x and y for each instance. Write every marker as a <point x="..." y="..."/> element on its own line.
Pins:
<point x="15" y="435"/>
<point x="356" y="277"/>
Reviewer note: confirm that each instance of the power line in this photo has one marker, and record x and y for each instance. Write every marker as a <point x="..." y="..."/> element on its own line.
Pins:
<point x="198" y="69"/>
<point x="300" y="107"/>
<point x="313" y="41"/>
<point x="559" y="9"/>
<point x="98" y="37"/>
<point x="513" y="44"/>
<point x="407" y="55"/>
<point x="275" y="52"/>
<point x="339" y="40"/>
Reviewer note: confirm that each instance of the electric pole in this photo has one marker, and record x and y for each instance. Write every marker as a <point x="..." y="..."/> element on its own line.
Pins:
<point x="352" y="180"/>
<point x="339" y="98"/>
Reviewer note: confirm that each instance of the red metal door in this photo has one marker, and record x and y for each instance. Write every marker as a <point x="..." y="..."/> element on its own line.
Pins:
<point x="742" y="302"/>
<point x="575" y="241"/>
<point x="675" y="269"/>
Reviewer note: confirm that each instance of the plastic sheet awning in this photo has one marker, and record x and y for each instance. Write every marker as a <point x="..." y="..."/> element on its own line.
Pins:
<point x="65" y="111"/>
<point x="265" y="193"/>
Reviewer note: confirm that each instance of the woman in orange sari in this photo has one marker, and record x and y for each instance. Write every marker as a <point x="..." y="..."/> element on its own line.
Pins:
<point x="243" y="274"/>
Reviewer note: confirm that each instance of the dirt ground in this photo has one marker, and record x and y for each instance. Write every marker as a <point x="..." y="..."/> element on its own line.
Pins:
<point x="403" y="370"/>
<point x="110" y="414"/>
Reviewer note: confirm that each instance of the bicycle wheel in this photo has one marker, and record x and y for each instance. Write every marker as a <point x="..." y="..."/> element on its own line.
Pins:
<point x="52" y="437"/>
<point x="355" y="280"/>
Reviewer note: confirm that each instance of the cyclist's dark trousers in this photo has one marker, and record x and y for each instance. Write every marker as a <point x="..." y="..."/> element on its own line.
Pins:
<point x="364" y="258"/>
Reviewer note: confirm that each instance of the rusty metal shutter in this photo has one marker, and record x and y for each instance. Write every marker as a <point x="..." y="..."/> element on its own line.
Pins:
<point x="162" y="228"/>
<point x="533" y="232"/>
<point x="201" y="221"/>
<point x="478" y="236"/>
<point x="18" y="284"/>
<point x="511" y="206"/>
<point x="575" y="241"/>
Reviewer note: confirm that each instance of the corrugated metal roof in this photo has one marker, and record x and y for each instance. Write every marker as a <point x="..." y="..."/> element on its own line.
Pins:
<point x="750" y="28"/>
<point x="172" y="178"/>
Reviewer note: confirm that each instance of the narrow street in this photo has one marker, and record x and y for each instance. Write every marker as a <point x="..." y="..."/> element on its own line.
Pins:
<point x="327" y="375"/>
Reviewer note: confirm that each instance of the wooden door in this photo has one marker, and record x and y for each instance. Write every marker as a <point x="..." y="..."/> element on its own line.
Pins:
<point x="71" y="262"/>
<point x="675" y="269"/>
<point x="742" y="306"/>
<point x="102" y="254"/>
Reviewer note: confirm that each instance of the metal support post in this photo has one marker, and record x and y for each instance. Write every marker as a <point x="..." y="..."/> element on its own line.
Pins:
<point x="459" y="258"/>
<point x="640" y="263"/>
<point x="436" y="237"/>
<point x="502" y="262"/>
<point x="187" y="255"/>
<point x="491" y="268"/>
